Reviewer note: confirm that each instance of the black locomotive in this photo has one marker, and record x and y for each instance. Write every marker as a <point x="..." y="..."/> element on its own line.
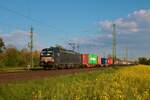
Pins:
<point x="56" y="57"/>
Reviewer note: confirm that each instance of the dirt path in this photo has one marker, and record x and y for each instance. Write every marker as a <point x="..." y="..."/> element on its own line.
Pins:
<point x="8" y="77"/>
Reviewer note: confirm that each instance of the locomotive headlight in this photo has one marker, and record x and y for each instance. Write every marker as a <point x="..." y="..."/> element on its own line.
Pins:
<point x="46" y="60"/>
<point x="52" y="59"/>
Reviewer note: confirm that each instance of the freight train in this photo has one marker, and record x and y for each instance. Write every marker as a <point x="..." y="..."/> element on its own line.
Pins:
<point x="59" y="58"/>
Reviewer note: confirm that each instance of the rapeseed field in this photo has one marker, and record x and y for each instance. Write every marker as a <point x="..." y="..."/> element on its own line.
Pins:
<point x="118" y="83"/>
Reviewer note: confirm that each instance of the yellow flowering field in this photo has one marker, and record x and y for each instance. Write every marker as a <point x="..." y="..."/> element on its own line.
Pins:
<point x="118" y="83"/>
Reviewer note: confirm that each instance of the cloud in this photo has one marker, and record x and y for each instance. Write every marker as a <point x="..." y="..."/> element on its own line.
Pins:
<point x="133" y="32"/>
<point x="140" y="16"/>
<point x="17" y="38"/>
<point x="20" y="39"/>
<point x="135" y="22"/>
<point x="124" y="26"/>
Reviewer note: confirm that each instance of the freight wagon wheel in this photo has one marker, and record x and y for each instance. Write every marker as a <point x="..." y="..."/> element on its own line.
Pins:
<point x="84" y="66"/>
<point x="81" y="66"/>
<point x="69" y="66"/>
<point x="45" y="67"/>
<point x="56" y="66"/>
<point x="66" y="66"/>
<point x="60" y="67"/>
<point x="77" y="66"/>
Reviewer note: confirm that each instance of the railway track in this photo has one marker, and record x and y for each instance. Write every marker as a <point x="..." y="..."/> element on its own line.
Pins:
<point x="8" y="77"/>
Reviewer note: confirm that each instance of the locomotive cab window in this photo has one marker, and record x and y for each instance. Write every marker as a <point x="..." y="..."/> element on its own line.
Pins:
<point x="46" y="52"/>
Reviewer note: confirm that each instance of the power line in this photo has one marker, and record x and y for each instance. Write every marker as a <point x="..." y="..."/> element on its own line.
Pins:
<point x="12" y="26"/>
<point x="78" y="47"/>
<point x="15" y="12"/>
<point x="27" y="17"/>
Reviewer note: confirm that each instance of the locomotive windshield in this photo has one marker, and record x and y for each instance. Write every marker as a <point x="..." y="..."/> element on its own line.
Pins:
<point x="46" y="52"/>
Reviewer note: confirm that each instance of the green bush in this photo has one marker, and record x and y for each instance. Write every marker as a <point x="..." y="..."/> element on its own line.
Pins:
<point x="2" y="64"/>
<point x="12" y="57"/>
<point x="144" y="60"/>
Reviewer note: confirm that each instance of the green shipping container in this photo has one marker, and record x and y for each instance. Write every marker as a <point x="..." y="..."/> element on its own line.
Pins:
<point x="92" y="59"/>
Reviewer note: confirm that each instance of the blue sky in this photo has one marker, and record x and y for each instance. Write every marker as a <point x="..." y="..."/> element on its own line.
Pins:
<point x="87" y="22"/>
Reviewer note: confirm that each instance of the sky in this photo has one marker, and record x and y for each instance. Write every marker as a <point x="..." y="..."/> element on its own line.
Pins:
<point x="85" y="22"/>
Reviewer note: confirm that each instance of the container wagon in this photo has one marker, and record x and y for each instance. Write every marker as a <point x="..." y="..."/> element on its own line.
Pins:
<point x="90" y="60"/>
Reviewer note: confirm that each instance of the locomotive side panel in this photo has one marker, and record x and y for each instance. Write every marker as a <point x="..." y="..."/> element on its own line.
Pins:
<point x="62" y="58"/>
<point x="67" y="57"/>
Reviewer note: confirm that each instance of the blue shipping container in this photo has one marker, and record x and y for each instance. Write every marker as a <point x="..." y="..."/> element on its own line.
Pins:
<point x="103" y="61"/>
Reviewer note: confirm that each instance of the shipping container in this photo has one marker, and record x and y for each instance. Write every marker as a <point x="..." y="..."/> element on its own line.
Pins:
<point x="109" y="61"/>
<point x="84" y="58"/>
<point x="103" y="61"/>
<point x="99" y="60"/>
<point x="92" y="59"/>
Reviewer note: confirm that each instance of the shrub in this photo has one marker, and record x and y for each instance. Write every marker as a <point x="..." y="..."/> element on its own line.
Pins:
<point x="144" y="60"/>
<point x="13" y="57"/>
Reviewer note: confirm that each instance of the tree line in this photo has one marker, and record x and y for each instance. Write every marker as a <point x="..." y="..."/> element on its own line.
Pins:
<point x="12" y="57"/>
<point x="144" y="60"/>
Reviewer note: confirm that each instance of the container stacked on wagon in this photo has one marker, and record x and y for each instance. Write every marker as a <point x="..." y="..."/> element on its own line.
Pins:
<point x="93" y="60"/>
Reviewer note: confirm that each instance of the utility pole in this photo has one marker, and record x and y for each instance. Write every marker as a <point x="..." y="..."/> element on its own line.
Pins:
<point x="31" y="47"/>
<point x="114" y="43"/>
<point x="78" y="47"/>
<point x="126" y="51"/>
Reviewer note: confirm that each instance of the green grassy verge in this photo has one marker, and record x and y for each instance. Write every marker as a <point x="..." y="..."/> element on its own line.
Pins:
<point x="12" y="69"/>
<point x="126" y="83"/>
<point x="17" y="69"/>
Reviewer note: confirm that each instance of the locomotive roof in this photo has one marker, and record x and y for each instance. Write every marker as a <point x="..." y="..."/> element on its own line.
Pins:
<point x="62" y="49"/>
<point x="65" y="50"/>
<point x="46" y="49"/>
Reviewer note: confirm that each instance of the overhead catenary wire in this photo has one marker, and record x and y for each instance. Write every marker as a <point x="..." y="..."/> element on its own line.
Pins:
<point x="12" y="26"/>
<point x="30" y="18"/>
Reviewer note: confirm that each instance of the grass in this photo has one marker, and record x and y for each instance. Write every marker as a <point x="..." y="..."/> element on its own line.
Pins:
<point x="11" y="69"/>
<point x="125" y="83"/>
<point x="17" y="69"/>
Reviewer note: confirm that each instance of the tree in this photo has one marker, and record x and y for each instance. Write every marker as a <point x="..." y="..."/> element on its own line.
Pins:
<point x="143" y="60"/>
<point x="148" y="61"/>
<point x="36" y="57"/>
<point x="12" y="57"/>
<point x="25" y="54"/>
<point x="2" y="45"/>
